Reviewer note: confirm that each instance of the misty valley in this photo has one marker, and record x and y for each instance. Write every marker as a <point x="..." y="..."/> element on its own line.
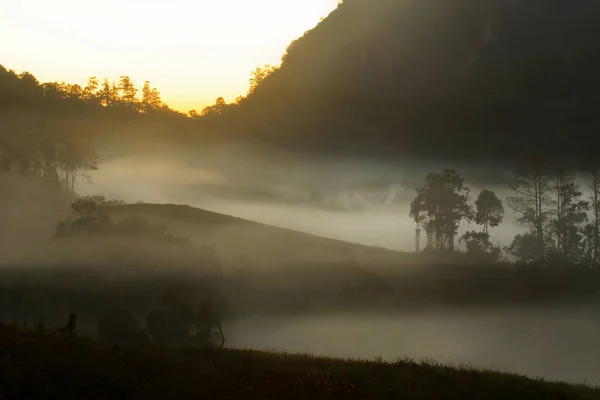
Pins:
<point x="356" y="289"/>
<point x="407" y="205"/>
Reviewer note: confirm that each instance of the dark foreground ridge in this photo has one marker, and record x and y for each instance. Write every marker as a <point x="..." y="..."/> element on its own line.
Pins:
<point x="36" y="366"/>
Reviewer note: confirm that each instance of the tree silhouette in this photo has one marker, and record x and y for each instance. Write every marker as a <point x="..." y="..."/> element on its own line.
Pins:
<point x="75" y="159"/>
<point x="259" y="75"/>
<point x="591" y="175"/>
<point x="533" y="203"/>
<point x="177" y="322"/>
<point x="91" y="89"/>
<point x="489" y="213"/>
<point x="128" y="91"/>
<point x="489" y="210"/>
<point x="479" y="246"/>
<point x="569" y="213"/>
<point x="216" y="109"/>
<point x="441" y="203"/>
<point x="108" y="94"/>
<point x="526" y="247"/>
<point x="87" y="216"/>
<point x="417" y="213"/>
<point x="150" y="98"/>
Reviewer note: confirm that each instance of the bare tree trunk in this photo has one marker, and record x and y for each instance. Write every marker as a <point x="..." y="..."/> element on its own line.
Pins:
<point x="73" y="176"/>
<point x="592" y="176"/>
<point x="539" y="215"/>
<point x="418" y="238"/>
<point x="558" y="212"/>
<point x="532" y="202"/>
<point x="66" y="180"/>
<point x="222" y="336"/>
<point x="595" y="189"/>
<point x="429" y="238"/>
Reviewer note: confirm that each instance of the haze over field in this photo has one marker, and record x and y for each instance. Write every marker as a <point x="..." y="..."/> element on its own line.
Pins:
<point x="356" y="200"/>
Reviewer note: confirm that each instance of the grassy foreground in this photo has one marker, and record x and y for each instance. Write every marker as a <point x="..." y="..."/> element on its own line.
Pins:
<point x="47" y="367"/>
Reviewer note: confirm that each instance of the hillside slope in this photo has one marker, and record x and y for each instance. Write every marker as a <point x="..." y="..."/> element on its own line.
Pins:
<point x="457" y="78"/>
<point x="65" y="368"/>
<point x="236" y="240"/>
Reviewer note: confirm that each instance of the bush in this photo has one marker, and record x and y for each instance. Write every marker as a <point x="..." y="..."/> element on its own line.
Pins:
<point x="177" y="323"/>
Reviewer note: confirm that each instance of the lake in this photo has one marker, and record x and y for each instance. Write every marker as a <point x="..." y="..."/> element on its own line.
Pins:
<point x="560" y="344"/>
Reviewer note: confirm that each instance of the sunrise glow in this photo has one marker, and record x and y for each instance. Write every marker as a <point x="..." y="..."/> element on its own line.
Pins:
<point x="192" y="51"/>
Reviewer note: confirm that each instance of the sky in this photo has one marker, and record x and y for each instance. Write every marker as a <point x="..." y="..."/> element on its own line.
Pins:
<point x="193" y="51"/>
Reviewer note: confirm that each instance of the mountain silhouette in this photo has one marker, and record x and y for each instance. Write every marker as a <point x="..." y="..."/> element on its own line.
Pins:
<point x="442" y="78"/>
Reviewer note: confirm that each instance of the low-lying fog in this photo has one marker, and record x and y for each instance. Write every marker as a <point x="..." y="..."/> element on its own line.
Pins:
<point x="553" y="344"/>
<point x="359" y="201"/>
<point x="364" y="202"/>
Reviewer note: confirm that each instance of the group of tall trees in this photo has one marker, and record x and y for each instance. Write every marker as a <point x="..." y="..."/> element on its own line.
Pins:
<point x="57" y="162"/>
<point x="49" y="128"/>
<point x="25" y="89"/>
<point x="562" y="220"/>
<point x="442" y="203"/>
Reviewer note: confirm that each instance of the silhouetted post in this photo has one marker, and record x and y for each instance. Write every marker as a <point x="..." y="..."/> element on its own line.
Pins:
<point x="72" y="322"/>
<point x="69" y="329"/>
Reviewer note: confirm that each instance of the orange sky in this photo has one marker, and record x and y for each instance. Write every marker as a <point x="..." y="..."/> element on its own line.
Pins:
<point x="192" y="51"/>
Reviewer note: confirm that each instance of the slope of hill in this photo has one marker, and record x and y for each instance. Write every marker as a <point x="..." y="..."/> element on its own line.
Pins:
<point x="237" y="240"/>
<point x="66" y="368"/>
<point x="458" y="78"/>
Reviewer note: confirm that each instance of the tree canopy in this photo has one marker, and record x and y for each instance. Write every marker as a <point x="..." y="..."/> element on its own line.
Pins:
<point x="440" y="205"/>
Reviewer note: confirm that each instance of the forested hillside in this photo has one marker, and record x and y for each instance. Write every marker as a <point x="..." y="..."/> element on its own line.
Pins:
<point x="50" y="127"/>
<point x="467" y="79"/>
<point x="463" y="78"/>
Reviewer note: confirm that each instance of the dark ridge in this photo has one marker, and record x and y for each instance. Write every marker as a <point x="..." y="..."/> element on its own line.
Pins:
<point x="459" y="79"/>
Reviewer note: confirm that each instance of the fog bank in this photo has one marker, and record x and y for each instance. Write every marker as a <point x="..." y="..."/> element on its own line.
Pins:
<point x="557" y="344"/>
<point x="361" y="201"/>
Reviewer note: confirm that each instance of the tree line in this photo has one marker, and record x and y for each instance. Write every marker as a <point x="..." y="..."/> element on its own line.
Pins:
<point x="24" y="89"/>
<point x="561" y="217"/>
<point x="48" y="128"/>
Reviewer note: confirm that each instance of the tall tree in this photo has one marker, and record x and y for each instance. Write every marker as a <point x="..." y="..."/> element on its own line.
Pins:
<point x="75" y="159"/>
<point x="150" y="98"/>
<point x="490" y="210"/>
<point x="489" y="213"/>
<point x="533" y="202"/>
<point x="441" y="204"/>
<point x="569" y="213"/>
<point x="592" y="179"/>
<point x="417" y="213"/>
<point x="91" y="89"/>
<point x="128" y="91"/>
<point x="75" y="92"/>
<point x="108" y="94"/>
